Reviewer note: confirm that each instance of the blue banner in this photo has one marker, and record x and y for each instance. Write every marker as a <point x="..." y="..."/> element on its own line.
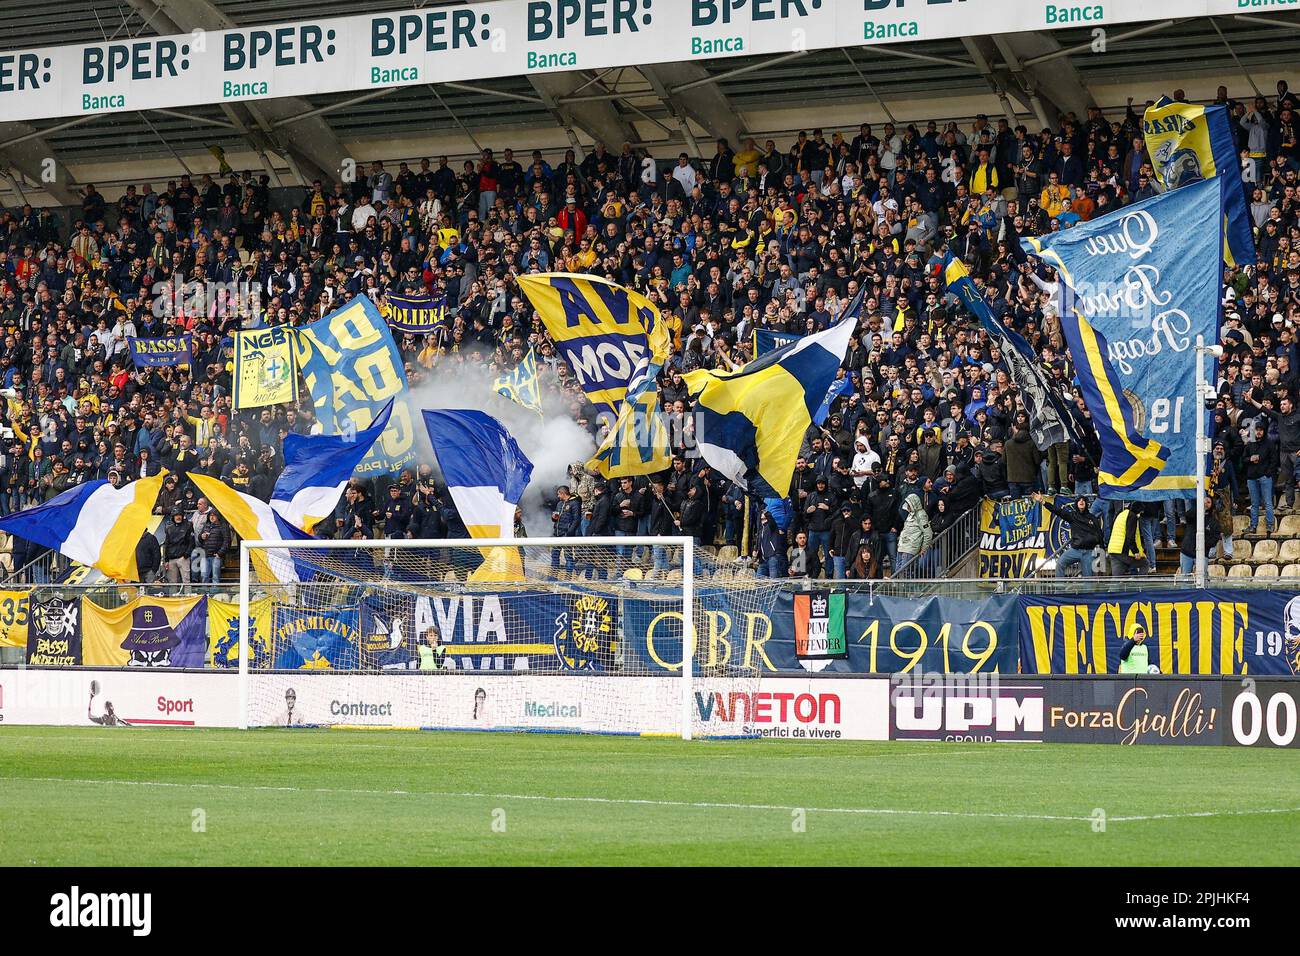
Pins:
<point x="352" y="367"/>
<point x="885" y="635"/>
<point x="322" y="639"/>
<point x="769" y="340"/>
<point x="1189" y="632"/>
<point x="152" y="353"/>
<point x="505" y="631"/>
<point x="1147" y="277"/>
<point x="415" y="313"/>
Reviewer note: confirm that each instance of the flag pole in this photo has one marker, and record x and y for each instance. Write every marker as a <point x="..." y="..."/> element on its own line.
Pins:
<point x="1201" y="442"/>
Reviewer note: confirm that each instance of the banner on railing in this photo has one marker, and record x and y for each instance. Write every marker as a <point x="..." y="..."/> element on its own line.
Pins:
<point x="1189" y="632"/>
<point x="853" y="632"/>
<point x="1017" y="535"/>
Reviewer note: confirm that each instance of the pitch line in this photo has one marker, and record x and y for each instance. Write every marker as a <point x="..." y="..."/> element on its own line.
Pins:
<point x="629" y="801"/>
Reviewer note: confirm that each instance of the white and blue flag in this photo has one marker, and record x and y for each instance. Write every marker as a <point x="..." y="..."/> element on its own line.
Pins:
<point x="317" y="469"/>
<point x="485" y="470"/>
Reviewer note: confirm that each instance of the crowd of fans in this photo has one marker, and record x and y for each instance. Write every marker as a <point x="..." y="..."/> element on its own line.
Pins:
<point x="756" y="235"/>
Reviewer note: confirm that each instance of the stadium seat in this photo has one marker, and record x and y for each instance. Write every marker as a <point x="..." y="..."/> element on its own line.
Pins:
<point x="450" y="576"/>
<point x="1290" y="552"/>
<point x="709" y="550"/>
<point x="1239" y="524"/>
<point x="1265" y="550"/>
<point x="1289" y="527"/>
<point x="1291" y="571"/>
<point x="1241" y="550"/>
<point x="726" y="553"/>
<point x="1218" y="571"/>
<point x="1239" y="571"/>
<point x="1266" y="571"/>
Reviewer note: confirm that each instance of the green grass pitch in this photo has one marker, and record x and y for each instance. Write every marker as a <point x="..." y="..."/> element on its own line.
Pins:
<point x="76" y="796"/>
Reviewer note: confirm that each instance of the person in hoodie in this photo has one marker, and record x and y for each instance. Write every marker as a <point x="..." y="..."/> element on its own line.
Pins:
<point x="887" y="516"/>
<point x="917" y="535"/>
<point x="843" y="527"/>
<point x="1262" y="463"/>
<point x="1085" y="535"/>
<point x="865" y="461"/>
<point x="771" y="548"/>
<point x="178" y="545"/>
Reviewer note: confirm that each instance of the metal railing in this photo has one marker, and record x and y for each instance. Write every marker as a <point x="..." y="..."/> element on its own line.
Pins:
<point x="948" y="549"/>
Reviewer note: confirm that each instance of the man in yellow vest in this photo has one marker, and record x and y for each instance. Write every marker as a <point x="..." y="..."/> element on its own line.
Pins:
<point x="1133" y="656"/>
<point x="1124" y="547"/>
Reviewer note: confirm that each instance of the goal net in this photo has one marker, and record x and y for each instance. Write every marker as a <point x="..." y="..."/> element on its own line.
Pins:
<point x="620" y="635"/>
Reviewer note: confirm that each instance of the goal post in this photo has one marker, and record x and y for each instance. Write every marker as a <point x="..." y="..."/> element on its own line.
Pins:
<point x="536" y="628"/>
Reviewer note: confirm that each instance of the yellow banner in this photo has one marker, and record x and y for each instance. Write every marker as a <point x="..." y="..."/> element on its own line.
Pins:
<point x="13" y="618"/>
<point x="223" y="633"/>
<point x="146" y="632"/>
<point x="264" y="368"/>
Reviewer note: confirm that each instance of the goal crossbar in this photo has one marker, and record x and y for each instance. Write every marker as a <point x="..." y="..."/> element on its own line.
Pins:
<point x="686" y="543"/>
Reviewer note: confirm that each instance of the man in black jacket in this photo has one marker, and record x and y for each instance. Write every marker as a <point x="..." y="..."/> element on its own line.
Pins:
<point x="1288" y="451"/>
<point x="148" y="558"/>
<point x="1085" y="535"/>
<point x="1261" y="465"/>
<point x="178" y="544"/>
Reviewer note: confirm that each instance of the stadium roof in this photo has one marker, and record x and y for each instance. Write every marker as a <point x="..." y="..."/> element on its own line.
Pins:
<point x="1040" y="73"/>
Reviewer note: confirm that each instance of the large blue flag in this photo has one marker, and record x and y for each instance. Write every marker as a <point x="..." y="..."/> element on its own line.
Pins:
<point x="1147" y="278"/>
<point x="1129" y="460"/>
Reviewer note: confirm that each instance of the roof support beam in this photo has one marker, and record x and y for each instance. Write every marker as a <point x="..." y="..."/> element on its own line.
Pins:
<point x="680" y="88"/>
<point x="596" y="116"/>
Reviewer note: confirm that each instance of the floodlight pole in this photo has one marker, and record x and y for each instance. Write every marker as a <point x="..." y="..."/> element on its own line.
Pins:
<point x="1204" y="392"/>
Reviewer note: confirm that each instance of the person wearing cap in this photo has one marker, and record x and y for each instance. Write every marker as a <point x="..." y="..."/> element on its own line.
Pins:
<point x="843" y="528"/>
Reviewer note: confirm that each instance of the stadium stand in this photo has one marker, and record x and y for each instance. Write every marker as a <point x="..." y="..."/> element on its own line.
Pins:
<point x="775" y="235"/>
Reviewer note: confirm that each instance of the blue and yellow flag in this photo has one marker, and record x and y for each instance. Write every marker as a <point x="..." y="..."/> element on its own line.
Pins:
<point x="352" y="367"/>
<point x="1188" y="143"/>
<point x="1129" y="461"/>
<point x="611" y="336"/>
<point x="750" y="423"/>
<point x="637" y="442"/>
<point x="522" y="385"/>
<point x="616" y="342"/>
<point x="418" y="314"/>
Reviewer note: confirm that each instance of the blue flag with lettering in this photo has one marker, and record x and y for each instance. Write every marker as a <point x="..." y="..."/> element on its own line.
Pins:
<point x="1147" y="278"/>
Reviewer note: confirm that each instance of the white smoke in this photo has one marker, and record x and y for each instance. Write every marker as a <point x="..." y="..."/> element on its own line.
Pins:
<point x="552" y="441"/>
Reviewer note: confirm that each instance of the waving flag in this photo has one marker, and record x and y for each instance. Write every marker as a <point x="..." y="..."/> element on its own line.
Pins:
<point x="1190" y="143"/>
<point x="522" y="385"/>
<point x="841" y="386"/>
<point x="418" y="314"/>
<point x="611" y="336"/>
<point x="1128" y="460"/>
<point x="484" y="468"/>
<point x="637" y="442"/>
<point x="1148" y="278"/>
<point x="93" y="523"/>
<point x="486" y="474"/>
<point x="1049" y="422"/>
<point x="255" y="520"/>
<point x="751" y="422"/>
<point x="317" y="469"/>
